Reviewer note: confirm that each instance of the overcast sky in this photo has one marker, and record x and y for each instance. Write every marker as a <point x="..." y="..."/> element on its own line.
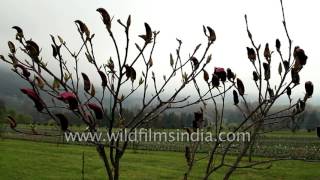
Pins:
<point x="175" y="18"/>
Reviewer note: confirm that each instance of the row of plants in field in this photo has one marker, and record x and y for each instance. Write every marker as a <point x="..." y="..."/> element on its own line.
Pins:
<point x="267" y="146"/>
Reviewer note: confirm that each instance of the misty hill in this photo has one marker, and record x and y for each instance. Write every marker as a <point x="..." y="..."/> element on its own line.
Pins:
<point x="12" y="97"/>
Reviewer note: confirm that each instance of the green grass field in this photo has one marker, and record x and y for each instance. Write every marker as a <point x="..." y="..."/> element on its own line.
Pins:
<point x="281" y="144"/>
<point x="29" y="160"/>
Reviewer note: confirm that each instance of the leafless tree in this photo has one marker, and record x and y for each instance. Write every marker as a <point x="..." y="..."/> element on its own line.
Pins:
<point x="255" y="115"/>
<point x="71" y="91"/>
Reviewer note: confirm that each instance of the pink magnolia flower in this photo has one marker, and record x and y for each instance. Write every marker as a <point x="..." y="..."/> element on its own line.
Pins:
<point x="70" y="98"/>
<point x="218" y="70"/>
<point x="34" y="96"/>
<point x="96" y="109"/>
<point x="221" y="73"/>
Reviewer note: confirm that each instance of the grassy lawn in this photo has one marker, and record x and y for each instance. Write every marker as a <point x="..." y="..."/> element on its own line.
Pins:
<point x="37" y="160"/>
<point x="301" y="133"/>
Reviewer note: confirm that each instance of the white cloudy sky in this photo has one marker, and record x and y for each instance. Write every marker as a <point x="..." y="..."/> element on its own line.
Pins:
<point x="175" y="18"/>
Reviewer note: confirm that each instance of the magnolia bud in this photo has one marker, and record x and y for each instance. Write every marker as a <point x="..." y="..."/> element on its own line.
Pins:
<point x="235" y="97"/>
<point x="215" y="80"/>
<point x="105" y="17"/>
<point x="195" y="62"/>
<point x="278" y="44"/>
<point x="309" y="88"/>
<point x="288" y="91"/>
<point x="300" y="56"/>
<point x="251" y="54"/>
<point x="295" y="77"/>
<point x="11" y="47"/>
<point x="255" y="76"/>
<point x="240" y="87"/>
<point x="205" y="75"/>
<point x="266" y="68"/>
<point x="230" y="75"/>
<point x="212" y="34"/>
<point x="267" y="53"/>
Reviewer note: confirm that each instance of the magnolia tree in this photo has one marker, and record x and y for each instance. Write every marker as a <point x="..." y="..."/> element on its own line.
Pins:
<point x="71" y="91"/>
<point x="256" y="115"/>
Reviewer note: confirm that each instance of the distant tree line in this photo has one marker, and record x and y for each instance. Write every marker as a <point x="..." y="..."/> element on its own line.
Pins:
<point x="309" y="120"/>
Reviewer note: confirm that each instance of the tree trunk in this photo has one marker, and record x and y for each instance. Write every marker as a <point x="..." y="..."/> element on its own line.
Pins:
<point x="117" y="165"/>
<point x="251" y="150"/>
<point x="116" y="170"/>
<point x="102" y="154"/>
<point x="242" y="153"/>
